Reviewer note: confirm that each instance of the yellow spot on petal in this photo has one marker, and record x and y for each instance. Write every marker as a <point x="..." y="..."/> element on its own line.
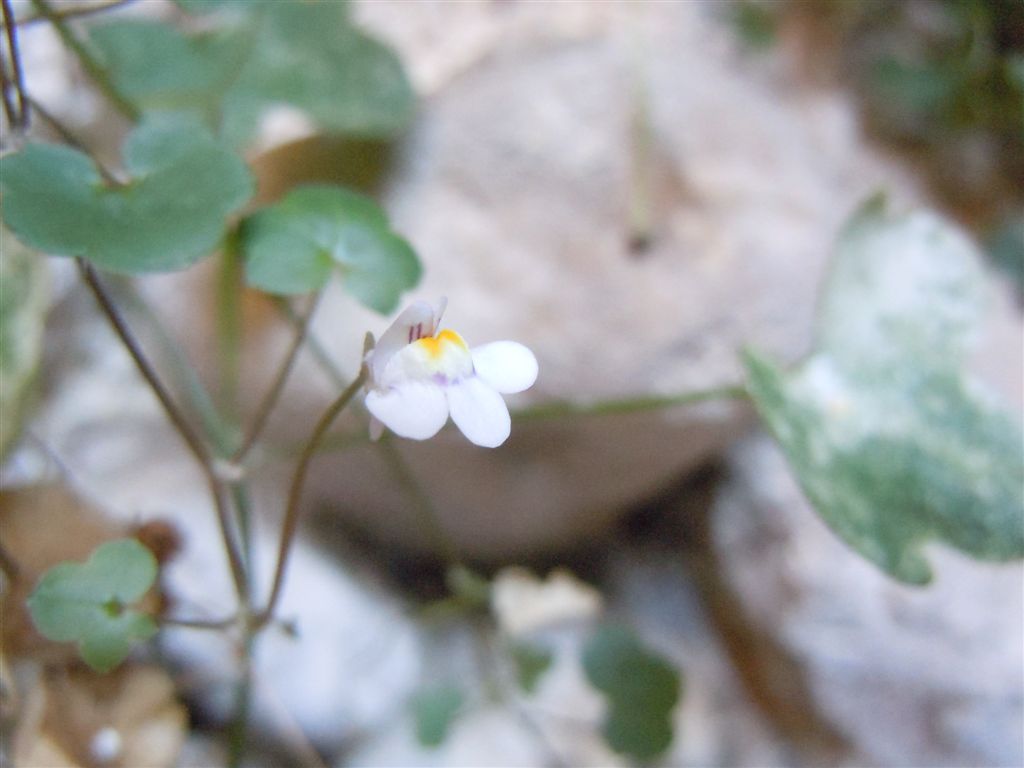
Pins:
<point x="436" y="346"/>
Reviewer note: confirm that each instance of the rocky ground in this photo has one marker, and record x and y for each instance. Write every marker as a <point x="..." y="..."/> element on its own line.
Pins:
<point x="542" y="130"/>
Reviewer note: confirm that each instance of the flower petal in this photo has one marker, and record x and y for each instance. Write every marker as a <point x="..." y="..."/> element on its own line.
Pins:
<point x="414" y="322"/>
<point x="413" y="409"/>
<point x="479" y="412"/>
<point x="376" y="429"/>
<point x="506" y="365"/>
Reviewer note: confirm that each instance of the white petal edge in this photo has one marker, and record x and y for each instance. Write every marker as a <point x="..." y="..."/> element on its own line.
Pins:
<point x="479" y="412"/>
<point x="505" y="365"/>
<point x="376" y="429"/>
<point x="413" y="409"/>
<point x="398" y="335"/>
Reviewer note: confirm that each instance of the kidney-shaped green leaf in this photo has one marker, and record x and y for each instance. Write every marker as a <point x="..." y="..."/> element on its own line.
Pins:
<point x="89" y="603"/>
<point x="892" y="443"/>
<point x="158" y="67"/>
<point x="306" y="55"/>
<point x="293" y="246"/>
<point x="642" y="689"/>
<point x="171" y="212"/>
<point x="310" y="56"/>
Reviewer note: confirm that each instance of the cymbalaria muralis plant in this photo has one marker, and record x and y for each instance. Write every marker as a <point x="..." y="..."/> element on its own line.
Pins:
<point x="891" y="439"/>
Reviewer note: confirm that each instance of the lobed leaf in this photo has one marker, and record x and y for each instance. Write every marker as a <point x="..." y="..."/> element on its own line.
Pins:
<point x="642" y="690"/>
<point x="306" y="55"/>
<point x="892" y="443"/>
<point x="89" y="603"/>
<point x="294" y="246"/>
<point x="183" y="185"/>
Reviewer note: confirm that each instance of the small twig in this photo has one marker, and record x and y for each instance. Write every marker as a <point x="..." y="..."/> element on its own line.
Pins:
<point x="239" y="728"/>
<point x="8" y="565"/>
<point x="628" y="404"/>
<point x="70" y="139"/>
<point x="291" y="514"/>
<point x="89" y="62"/>
<point x="70" y="13"/>
<point x="274" y="393"/>
<point x="195" y="445"/>
<point x="214" y="624"/>
<point x="21" y="121"/>
<point x="6" y="86"/>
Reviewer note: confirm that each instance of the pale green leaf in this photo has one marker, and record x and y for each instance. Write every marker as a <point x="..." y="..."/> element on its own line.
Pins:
<point x="294" y="246"/>
<point x="891" y="442"/>
<point x="90" y="603"/>
<point x="171" y="212"/>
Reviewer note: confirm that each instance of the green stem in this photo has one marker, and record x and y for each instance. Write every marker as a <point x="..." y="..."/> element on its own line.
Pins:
<point x="18" y="118"/>
<point x="238" y="734"/>
<point x="192" y="440"/>
<point x="184" y="377"/>
<point x="274" y="393"/>
<point x="70" y="139"/>
<point x="89" y="62"/>
<point x="641" y="151"/>
<point x="214" y="624"/>
<point x="70" y="13"/>
<point x="291" y="514"/>
<point x="243" y="516"/>
<point x="626" y="405"/>
<point x="229" y="326"/>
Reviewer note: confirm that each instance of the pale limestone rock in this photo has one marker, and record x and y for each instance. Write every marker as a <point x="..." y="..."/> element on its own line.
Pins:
<point x="514" y="186"/>
<point x="907" y="675"/>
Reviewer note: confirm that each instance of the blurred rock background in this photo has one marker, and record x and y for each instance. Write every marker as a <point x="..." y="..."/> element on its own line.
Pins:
<point x="634" y="192"/>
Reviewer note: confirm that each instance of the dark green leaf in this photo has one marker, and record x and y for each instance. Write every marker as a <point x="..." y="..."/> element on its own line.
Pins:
<point x="642" y="690"/>
<point x="22" y="312"/>
<point x="531" y="663"/>
<point x="183" y="185"/>
<point x="293" y="246"/>
<point x="435" y="710"/>
<point x="89" y="603"/>
<point x="890" y="441"/>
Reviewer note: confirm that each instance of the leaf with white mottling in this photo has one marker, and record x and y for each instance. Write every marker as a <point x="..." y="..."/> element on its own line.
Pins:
<point x="891" y="442"/>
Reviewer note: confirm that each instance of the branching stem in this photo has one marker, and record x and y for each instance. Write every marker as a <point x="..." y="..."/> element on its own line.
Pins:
<point x="70" y="13"/>
<point x="274" y="393"/>
<point x="89" y="62"/>
<point x="18" y="118"/>
<point x="195" y="445"/>
<point x="291" y="514"/>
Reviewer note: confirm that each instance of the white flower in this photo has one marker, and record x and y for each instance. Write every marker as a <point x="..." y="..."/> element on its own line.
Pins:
<point x="522" y="603"/>
<point x="418" y="376"/>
